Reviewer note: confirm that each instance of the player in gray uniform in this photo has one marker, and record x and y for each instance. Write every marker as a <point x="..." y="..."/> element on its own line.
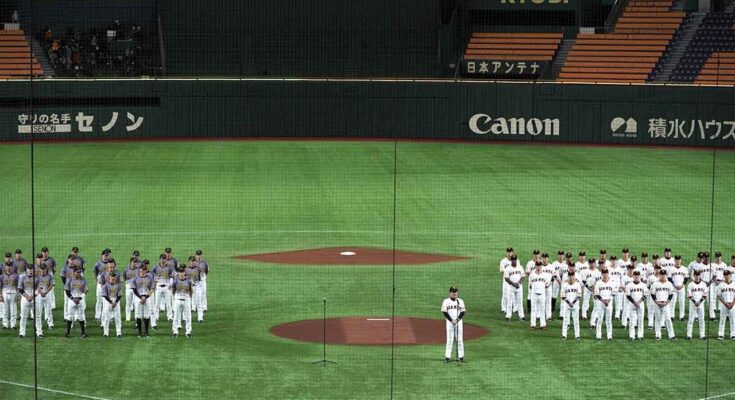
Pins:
<point x="131" y="272"/>
<point x="182" y="289"/>
<point x="99" y="267"/>
<point x="26" y="284"/>
<point x="111" y="293"/>
<point x="44" y="285"/>
<point x="9" y="259"/>
<point x="9" y="287"/>
<point x="143" y="287"/>
<point x="67" y="272"/>
<point x="204" y="271"/>
<point x="102" y="278"/>
<point x="193" y="272"/>
<point x="76" y="290"/>
<point x="162" y="274"/>
<point x="19" y="263"/>
<point x="51" y="264"/>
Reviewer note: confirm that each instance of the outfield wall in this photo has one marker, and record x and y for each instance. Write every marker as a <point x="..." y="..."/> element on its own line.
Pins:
<point x="472" y="111"/>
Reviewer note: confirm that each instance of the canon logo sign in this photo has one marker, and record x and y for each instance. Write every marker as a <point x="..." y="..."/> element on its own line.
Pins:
<point x="482" y="124"/>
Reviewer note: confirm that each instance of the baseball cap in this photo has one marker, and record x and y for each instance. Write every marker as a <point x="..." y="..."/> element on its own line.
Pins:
<point x="106" y="252"/>
<point x="539" y="263"/>
<point x="44" y="249"/>
<point x="191" y="258"/>
<point x="732" y="257"/>
<point x="636" y="272"/>
<point x="75" y="249"/>
<point x="677" y="257"/>
<point x="697" y="273"/>
<point x="613" y="258"/>
<point x="513" y="257"/>
<point x="633" y="258"/>
<point x="655" y="256"/>
<point x="39" y="255"/>
<point x="625" y="250"/>
<point x="667" y="249"/>
<point x="727" y="272"/>
<point x="18" y="251"/>
<point x="198" y="252"/>
<point x="631" y="266"/>
<point x="570" y="273"/>
<point x="43" y="266"/>
<point x="453" y="289"/>
<point x="700" y="254"/>
<point x="167" y="250"/>
<point x="536" y="251"/>
<point x="182" y="266"/>
<point x="8" y="255"/>
<point x="570" y="263"/>
<point x="592" y="260"/>
<point x="604" y="270"/>
<point x="601" y="262"/>
<point x="113" y="274"/>
<point x="545" y="255"/>
<point x="110" y="260"/>
<point x="582" y="253"/>
<point x="146" y="262"/>
<point x="509" y="249"/>
<point x="718" y="254"/>
<point x="8" y="263"/>
<point x="136" y="253"/>
<point x="603" y="251"/>
<point x="706" y="254"/>
<point x="644" y="254"/>
<point x="560" y="252"/>
<point x="569" y="255"/>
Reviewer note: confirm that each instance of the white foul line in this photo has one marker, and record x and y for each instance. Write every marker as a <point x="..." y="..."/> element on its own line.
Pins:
<point x="378" y="319"/>
<point x="717" y="397"/>
<point x="54" y="391"/>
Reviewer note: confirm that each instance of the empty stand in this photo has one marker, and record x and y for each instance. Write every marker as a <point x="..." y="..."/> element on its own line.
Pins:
<point x="628" y="54"/>
<point x="718" y="69"/>
<point x="15" y="56"/>
<point x="513" y="46"/>
<point x="709" y="56"/>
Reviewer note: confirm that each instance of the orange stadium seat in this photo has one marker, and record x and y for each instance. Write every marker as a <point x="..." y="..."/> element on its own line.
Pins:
<point x="16" y="58"/>
<point x="513" y="46"/>
<point x="719" y="69"/>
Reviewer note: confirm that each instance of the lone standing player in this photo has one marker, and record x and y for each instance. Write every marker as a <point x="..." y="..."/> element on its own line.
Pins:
<point x="204" y="271"/>
<point x="453" y="309"/>
<point x="26" y="285"/>
<point x="604" y="290"/>
<point x="182" y="289"/>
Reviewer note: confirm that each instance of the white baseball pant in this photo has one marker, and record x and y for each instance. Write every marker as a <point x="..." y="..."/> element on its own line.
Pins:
<point x="77" y="311"/>
<point x="538" y="308"/>
<point x="10" y="310"/>
<point x="108" y="314"/>
<point x="586" y="294"/>
<point x="569" y="312"/>
<point x="196" y="303"/>
<point x="163" y="302"/>
<point x="452" y="332"/>
<point x="619" y="304"/>
<point x="129" y="301"/>
<point x="548" y="297"/>
<point x="44" y="309"/>
<point x="143" y="311"/>
<point x="696" y="312"/>
<point x="98" y="303"/>
<point x="504" y="299"/>
<point x="204" y="292"/>
<point x="679" y="296"/>
<point x="661" y="318"/>
<point x="25" y="312"/>
<point x="713" y="300"/>
<point x="650" y="306"/>
<point x="52" y="297"/>
<point x="604" y="313"/>
<point x="514" y="301"/>
<point x="724" y="315"/>
<point x="182" y="310"/>
<point x="635" y="317"/>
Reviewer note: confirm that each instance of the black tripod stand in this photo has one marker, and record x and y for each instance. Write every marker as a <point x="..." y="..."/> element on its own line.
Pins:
<point x="324" y="360"/>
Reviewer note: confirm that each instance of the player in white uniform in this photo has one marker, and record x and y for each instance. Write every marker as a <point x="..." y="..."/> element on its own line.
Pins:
<point x="626" y="280"/>
<point x="530" y="266"/>
<point x="589" y="279"/>
<point x="727" y="305"/>
<point x="603" y="258"/>
<point x="513" y="277"/>
<point x="616" y="271"/>
<point x="635" y="294"/>
<point x="694" y="265"/>
<point x="651" y="278"/>
<point x="663" y="292"/>
<point x="553" y="274"/>
<point x="698" y="292"/>
<point x="571" y="292"/>
<point x="504" y="263"/>
<point x="716" y="269"/>
<point x="560" y="267"/>
<point x="604" y="292"/>
<point x="678" y="275"/>
<point x="705" y="269"/>
<point x="538" y="284"/>
<point x="453" y="309"/>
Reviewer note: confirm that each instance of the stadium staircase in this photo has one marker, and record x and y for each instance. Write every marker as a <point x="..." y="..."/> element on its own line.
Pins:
<point x="631" y="51"/>
<point x="676" y="50"/>
<point x="561" y="57"/>
<point x="710" y="57"/>
<point x="16" y="56"/>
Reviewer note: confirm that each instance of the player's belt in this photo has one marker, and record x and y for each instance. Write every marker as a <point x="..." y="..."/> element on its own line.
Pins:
<point x="162" y="285"/>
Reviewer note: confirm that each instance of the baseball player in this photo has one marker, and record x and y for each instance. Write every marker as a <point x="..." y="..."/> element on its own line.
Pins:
<point x="112" y="294"/>
<point x="102" y="278"/>
<point x="454" y="310"/>
<point x="44" y="286"/>
<point x="26" y="286"/>
<point x="194" y="273"/>
<point x="651" y="278"/>
<point x="19" y="263"/>
<point x="170" y="260"/>
<point x="553" y="275"/>
<point x="99" y="267"/>
<point x="571" y="268"/>
<point x="504" y="263"/>
<point x="678" y="275"/>
<point x="204" y="271"/>
<point x="627" y="279"/>
<point x="663" y="292"/>
<point x="717" y="267"/>
<point x="67" y="272"/>
<point x="645" y="267"/>
<point x="589" y="279"/>
<point x="143" y="287"/>
<point x="705" y="268"/>
<point x="9" y="259"/>
<point x="603" y="257"/>
<point x="51" y="264"/>
<point x="727" y="305"/>
<point x="616" y="272"/>
<point x="131" y="271"/>
<point x="76" y="290"/>
<point x="694" y="265"/>
<point x="513" y="277"/>
<point x="667" y="262"/>
<point x="539" y="282"/>
<point x="9" y="285"/>
<point x="604" y="290"/>
<point x="183" y="291"/>
<point x="530" y="266"/>
<point x="571" y="292"/>
<point x="635" y="293"/>
<point x="698" y="292"/>
<point x="162" y="274"/>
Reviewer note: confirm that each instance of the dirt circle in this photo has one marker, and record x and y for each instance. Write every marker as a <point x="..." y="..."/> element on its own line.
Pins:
<point x="350" y="256"/>
<point x="374" y="331"/>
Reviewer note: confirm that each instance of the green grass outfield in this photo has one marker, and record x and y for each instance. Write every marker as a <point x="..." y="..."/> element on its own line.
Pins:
<point x="231" y="198"/>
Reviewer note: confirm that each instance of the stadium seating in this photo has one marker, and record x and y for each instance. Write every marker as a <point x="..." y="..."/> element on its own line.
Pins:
<point x="630" y="52"/>
<point x="709" y="56"/>
<point x="513" y="46"/>
<point x="15" y="56"/>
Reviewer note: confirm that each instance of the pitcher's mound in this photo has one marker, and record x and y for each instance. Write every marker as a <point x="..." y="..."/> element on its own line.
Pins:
<point x="350" y="256"/>
<point x="373" y="331"/>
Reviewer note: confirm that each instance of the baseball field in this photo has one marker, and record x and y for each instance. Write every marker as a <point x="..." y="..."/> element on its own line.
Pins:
<point x="240" y="198"/>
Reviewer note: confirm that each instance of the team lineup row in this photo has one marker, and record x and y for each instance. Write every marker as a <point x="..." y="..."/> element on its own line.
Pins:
<point x="623" y="289"/>
<point x="170" y="287"/>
